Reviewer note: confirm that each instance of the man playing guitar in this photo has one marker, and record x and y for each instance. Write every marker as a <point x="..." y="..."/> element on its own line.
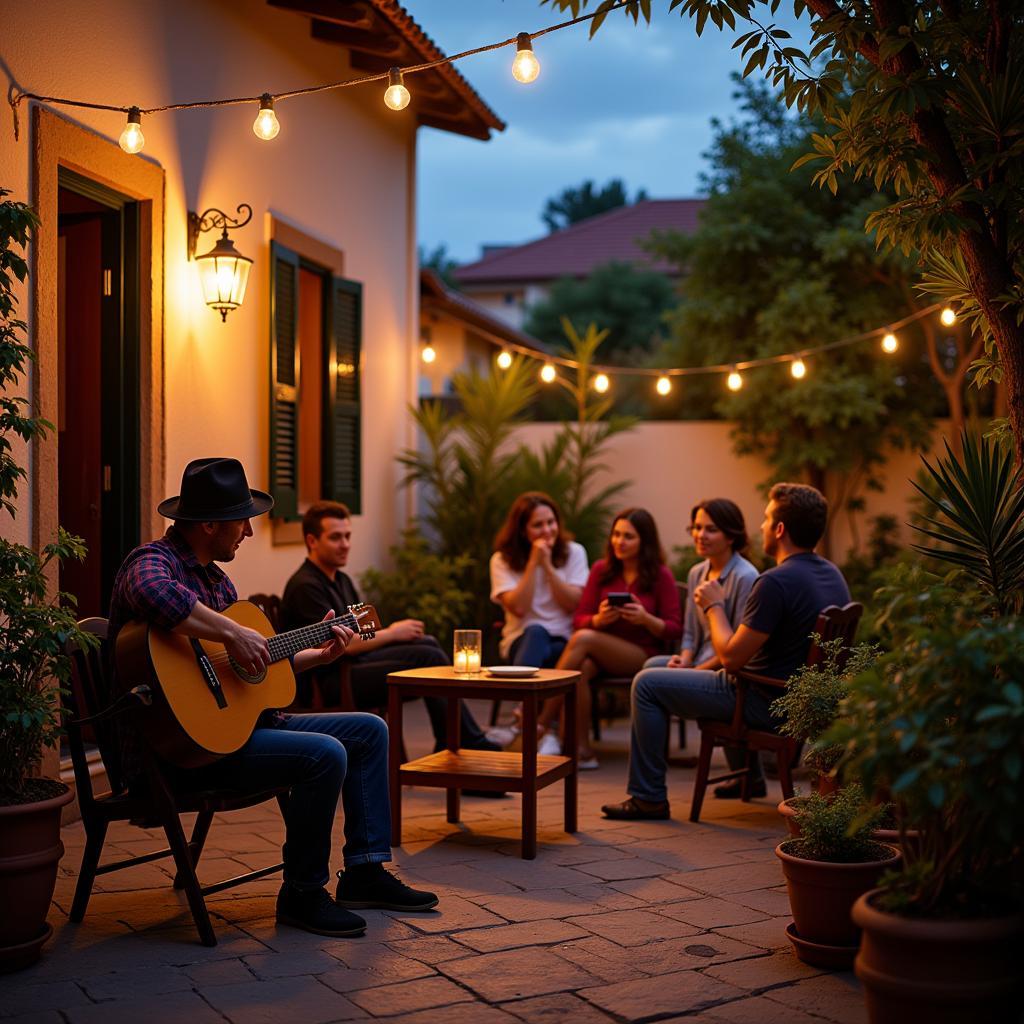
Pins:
<point x="174" y="584"/>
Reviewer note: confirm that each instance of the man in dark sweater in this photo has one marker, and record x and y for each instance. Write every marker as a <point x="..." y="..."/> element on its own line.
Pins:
<point x="772" y="639"/>
<point x="319" y="584"/>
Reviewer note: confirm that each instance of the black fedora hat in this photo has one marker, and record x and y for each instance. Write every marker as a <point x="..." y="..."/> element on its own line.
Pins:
<point x="215" y="490"/>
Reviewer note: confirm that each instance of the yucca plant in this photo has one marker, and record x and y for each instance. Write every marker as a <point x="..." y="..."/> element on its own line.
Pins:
<point x="978" y="518"/>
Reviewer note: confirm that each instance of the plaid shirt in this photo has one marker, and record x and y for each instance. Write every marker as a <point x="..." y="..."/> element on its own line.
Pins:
<point x="160" y="583"/>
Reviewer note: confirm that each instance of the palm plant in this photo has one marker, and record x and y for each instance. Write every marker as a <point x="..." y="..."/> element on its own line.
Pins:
<point x="978" y="518"/>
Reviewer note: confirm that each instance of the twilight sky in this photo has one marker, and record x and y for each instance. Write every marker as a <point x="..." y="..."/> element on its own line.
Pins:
<point x="634" y="103"/>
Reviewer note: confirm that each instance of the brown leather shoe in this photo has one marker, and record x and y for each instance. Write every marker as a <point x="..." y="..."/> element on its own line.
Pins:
<point x="630" y="810"/>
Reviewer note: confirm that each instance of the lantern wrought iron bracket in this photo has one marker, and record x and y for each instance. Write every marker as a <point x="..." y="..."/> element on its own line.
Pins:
<point x="211" y="219"/>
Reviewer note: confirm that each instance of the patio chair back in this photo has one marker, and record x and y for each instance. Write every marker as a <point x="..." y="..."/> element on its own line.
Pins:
<point x="156" y="804"/>
<point x="832" y="623"/>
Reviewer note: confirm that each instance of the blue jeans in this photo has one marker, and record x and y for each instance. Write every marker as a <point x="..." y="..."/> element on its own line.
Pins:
<point x="536" y="646"/>
<point x="319" y="757"/>
<point x="659" y="692"/>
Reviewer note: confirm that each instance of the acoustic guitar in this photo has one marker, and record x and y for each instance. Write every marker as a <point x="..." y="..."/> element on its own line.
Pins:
<point x="203" y="704"/>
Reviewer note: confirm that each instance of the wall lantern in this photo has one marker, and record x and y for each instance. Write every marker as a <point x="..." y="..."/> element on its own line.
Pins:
<point x="223" y="271"/>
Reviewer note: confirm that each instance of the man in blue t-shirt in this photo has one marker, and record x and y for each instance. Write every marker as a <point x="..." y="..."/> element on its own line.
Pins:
<point x="772" y="639"/>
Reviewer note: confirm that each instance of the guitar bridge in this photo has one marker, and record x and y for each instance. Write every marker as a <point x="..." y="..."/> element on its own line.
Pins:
<point x="209" y="673"/>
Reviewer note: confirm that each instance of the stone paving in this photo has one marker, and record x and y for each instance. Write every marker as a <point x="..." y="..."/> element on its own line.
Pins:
<point x="647" y="921"/>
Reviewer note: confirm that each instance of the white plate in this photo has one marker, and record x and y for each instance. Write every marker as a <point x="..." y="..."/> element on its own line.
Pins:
<point x="511" y="671"/>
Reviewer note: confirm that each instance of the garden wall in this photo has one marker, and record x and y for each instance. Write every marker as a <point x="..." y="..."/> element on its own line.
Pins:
<point x="672" y="465"/>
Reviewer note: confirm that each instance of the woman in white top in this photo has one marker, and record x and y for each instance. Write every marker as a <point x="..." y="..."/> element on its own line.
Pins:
<point x="537" y="576"/>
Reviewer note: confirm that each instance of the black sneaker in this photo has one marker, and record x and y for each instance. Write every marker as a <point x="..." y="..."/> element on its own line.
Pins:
<point x="371" y="887"/>
<point x="732" y="790"/>
<point x="315" y="911"/>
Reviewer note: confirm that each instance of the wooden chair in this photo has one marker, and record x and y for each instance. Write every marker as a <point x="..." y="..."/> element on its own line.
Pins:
<point x="162" y="805"/>
<point x="833" y="622"/>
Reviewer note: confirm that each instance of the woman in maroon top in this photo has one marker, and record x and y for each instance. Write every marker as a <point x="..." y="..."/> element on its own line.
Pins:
<point x="629" y="611"/>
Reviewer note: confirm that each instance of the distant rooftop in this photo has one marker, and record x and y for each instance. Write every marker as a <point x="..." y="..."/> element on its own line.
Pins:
<point x="578" y="249"/>
<point x="437" y="297"/>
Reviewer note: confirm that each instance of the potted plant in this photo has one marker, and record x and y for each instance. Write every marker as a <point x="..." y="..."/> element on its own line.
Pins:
<point x="940" y="723"/>
<point x="34" y="628"/>
<point x="809" y="707"/>
<point x="832" y="863"/>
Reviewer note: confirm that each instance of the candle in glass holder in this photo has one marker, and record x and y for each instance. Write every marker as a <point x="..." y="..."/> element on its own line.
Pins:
<point x="467" y="650"/>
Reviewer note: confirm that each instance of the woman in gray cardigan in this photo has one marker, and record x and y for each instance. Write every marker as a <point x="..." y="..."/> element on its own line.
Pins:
<point x="720" y="535"/>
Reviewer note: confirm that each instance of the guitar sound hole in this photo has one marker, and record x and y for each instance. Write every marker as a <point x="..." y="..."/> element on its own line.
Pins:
<point x="246" y="676"/>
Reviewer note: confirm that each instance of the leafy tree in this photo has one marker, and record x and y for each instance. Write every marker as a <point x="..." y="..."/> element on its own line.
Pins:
<point x="924" y="98"/>
<point x="629" y="303"/>
<point x="773" y="267"/>
<point x="572" y="205"/>
<point x="438" y="260"/>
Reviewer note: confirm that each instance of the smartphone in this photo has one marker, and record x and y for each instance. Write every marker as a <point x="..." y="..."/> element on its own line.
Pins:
<point x="617" y="598"/>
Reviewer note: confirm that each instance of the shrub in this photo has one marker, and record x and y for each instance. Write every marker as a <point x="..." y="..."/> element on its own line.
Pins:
<point x="837" y="828"/>
<point x="421" y="585"/>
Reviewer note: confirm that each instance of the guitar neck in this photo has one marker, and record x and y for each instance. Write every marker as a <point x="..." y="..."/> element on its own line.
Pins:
<point x="284" y="645"/>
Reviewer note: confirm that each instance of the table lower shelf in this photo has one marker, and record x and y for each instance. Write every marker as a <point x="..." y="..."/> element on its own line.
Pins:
<point x="481" y="769"/>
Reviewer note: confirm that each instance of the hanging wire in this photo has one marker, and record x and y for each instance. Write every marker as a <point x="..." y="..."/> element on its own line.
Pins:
<point x="741" y="364"/>
<point x="16" y="96"/>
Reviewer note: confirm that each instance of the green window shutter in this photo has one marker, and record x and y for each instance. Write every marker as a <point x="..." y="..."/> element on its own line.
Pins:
<point x="284" y="381"/>
<point x="342" y="427"/>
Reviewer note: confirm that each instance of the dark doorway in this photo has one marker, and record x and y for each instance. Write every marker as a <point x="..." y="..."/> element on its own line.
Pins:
<point x="98" y="396"/>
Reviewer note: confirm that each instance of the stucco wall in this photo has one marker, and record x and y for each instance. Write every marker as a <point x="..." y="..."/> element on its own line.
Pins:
<point x="341" y="169"/>
<point x="674" y="465"/>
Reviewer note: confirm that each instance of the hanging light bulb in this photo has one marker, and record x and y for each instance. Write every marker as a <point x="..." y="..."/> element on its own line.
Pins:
<point x="266" y="126"/>
<point x="601" y="383"/>
<point x="547" y="373"/>
<point x="948" y="317"/>
<point x="798" y="368"/>
<point x="664" y="386"/>
<point x="132" y="140"/>
<point x="428" y="354"/>
<point x="526" y="67"/>
<point x="396" y="96"/>
<point x="734" y="381"/>
<point x="504" y="359"/>
<point x="890" y="344"/>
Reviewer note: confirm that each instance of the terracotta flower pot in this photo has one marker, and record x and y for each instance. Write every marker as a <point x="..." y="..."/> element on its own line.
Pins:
<point x="30" y="849"/>
<point x="944" y="972"/>
<point x="822" y="894"/>
<point x="788" y="808"/>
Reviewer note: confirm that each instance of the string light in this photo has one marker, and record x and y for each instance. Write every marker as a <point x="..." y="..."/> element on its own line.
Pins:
<point x="504" y="359"/>
<point x="734" y="381"/>
<point x="948" y="317"/>
<point x="523" y="41"/>
<point x="798" y="368"/>
<point x="266" y="126"/>
<point x="525" y="67"/>
<point x="601" y="383"/>
<point x="890" y="343"/>
<point x="547" y="373"/>
<point x="664" y="386"/>
<point x="396" y="96"/>
<point x="132" y="140"/>
<point x="428" y="353"/>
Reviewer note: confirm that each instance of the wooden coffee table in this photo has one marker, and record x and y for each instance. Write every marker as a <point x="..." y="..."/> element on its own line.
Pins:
<point x="455" y="769"/>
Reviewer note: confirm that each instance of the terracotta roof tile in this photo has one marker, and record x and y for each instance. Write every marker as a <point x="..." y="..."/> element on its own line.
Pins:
<point x="578" y="249"/>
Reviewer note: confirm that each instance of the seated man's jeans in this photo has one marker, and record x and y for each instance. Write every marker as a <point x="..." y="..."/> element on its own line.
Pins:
<point x="536" y="646"/>
<point x="659" y="692"/>
<point x="318" y="757"/>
